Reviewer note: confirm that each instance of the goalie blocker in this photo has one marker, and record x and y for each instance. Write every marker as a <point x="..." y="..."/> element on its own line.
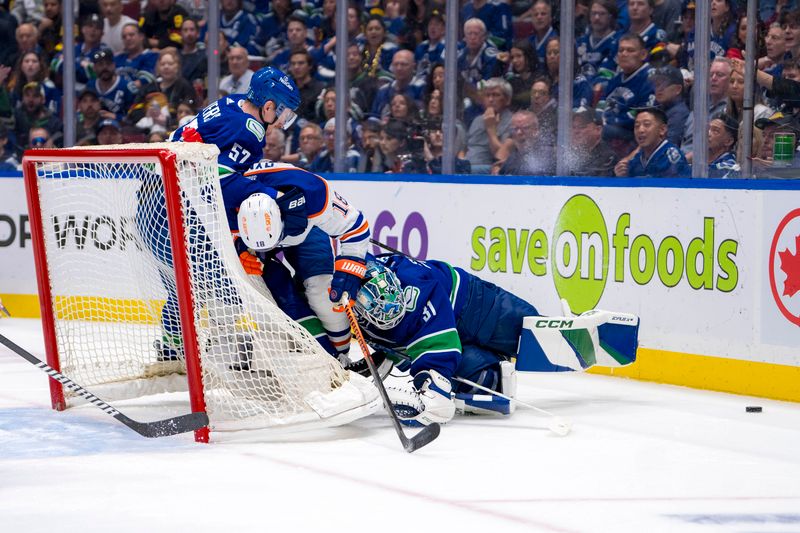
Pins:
<point x="576" y="343"/>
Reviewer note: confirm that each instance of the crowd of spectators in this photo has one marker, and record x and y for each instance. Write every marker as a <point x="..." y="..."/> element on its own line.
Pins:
<point x="141" y="71"/>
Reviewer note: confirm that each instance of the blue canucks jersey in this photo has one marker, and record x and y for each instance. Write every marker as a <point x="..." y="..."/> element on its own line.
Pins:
<point x="435" y="293"/>
<point x="426" y="55"/>
<point x="497" y="18"/>
<point x="141" y="68"/>
<point x="240" y="29"/>
<point x="724" y="166"/>
<point x="667" y="161"/>
<point x="593" y="55"/>
<point x="118" y="98"/>
<point x="625" y="94"/>
<point x="482" y="67"/>
<point x="239" y="136"/>
<point x="541" y="45"/>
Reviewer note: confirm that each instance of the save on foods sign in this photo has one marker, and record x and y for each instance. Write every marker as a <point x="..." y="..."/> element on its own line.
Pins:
<point x="693" y="263"/>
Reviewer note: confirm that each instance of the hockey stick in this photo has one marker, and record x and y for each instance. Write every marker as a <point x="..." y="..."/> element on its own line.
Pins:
<point x="428" y="433"/>
<point x="556" y="424"/>
<point x="159" y="428"/>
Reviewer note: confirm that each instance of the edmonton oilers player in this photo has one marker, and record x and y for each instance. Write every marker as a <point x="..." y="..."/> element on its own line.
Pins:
<point x="301" y="204"/>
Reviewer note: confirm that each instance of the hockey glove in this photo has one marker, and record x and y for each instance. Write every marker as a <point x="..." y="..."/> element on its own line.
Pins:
<point x="252" y="264"/>
<point x="430" y="401"/>
<point x="191" y="135"/>
<point x="349" y="271"/>
<point x="292" y="204"/>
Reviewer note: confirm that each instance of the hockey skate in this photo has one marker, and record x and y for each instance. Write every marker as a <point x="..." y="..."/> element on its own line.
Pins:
<point x="476" y="402"/>
<point x="243" y="375"/>
<point x="169" y="359"/>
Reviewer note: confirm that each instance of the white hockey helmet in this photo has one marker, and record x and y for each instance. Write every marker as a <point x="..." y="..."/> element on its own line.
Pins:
<point x="260" y="223"/>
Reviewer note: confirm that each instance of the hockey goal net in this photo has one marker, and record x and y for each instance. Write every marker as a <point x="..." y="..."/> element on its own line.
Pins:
<point x="142" y="293"/>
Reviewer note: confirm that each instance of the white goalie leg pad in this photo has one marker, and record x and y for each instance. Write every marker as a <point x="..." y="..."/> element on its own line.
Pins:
<point x="570" y="343"/>
<point x="508" y="382"/>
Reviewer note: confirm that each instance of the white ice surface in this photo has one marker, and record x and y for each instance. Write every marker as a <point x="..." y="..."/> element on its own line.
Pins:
<point x="641" y="458"/>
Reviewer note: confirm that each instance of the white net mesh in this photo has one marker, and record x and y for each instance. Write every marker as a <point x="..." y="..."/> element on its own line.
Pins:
<point x="116" y="308"/>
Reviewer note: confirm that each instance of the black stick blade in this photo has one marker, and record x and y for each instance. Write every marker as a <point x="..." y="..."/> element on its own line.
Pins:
<point x="168" y="426"/>
<point x="427" y="435"/>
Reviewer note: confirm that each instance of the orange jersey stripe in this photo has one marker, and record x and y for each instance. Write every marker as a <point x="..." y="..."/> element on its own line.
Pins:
<point x="361" y="229"/>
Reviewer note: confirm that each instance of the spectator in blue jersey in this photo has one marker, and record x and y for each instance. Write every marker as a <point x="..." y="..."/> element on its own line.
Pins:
<point x="581" y="88"/>
<point x="194" y="60"/>
<point x="723" y="131"/>
<point x="403" y="67"/>
<point x="92" y="35"/>
<point x="497" y="18"/>
<point x="667" y="16"/>
<point x="668" y="84"/>
<point x="136" y="62"/>
<point x="270" y="38"/>
<point x="640" y="13"/>
<point x="477" y="61"/>
<point x="654" y="156"/>
<point x="596" y="49"/>
<point x="238" y="25"/>
<point x="238" y="81"/>
<point x="541" y="14"/>
<point x="117" y="92"/>
<point x="628" y="90"/>
<point x="430" y="51"/>
<point x="162" y="24"/>
<point x="723" y="26"/>
<point x="296" y="39"/>
<point x="405" y="21"/>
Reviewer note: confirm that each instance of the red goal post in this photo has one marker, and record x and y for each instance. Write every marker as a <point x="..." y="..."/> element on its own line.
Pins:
<point x="133" y="252"/>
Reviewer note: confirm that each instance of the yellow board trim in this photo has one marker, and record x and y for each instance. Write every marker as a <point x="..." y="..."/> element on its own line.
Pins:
<point x="89" y="308"/>
<point x="767" y="380"/>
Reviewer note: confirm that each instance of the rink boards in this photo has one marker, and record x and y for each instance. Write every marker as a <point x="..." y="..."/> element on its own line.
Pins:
<point x="712" y="267"/>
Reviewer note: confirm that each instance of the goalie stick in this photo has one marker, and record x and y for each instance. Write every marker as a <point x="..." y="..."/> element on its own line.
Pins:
<point x="428" y="433"/>
<point x="158" y="428"/>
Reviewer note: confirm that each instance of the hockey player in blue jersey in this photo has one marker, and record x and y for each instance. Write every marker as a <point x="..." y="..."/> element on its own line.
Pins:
<point x="454" y="326"/>
<point x="448" y="323"/>
<point x="236" y="125"/>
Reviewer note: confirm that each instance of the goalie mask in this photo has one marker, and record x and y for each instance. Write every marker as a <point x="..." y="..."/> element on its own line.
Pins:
<point x="260" y="223"/>
<point x="380" y="300"/>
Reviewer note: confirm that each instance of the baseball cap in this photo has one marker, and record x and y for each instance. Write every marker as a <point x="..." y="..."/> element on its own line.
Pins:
<point x="92" y="20"/>
<point x="671" y="74"/>
<point x="103" y="54"/>
<point x="33" y="86"/>
<point x="778" y="119"/>
<point x="88" y="91"/>
<point x="587" y="115"/>
<point x="107" y="122"/>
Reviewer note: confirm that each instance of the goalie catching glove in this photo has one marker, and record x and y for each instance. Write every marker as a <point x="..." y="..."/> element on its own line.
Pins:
<point x="430" y="400"/>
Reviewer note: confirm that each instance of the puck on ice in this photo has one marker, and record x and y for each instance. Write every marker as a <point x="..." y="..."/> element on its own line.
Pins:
<point x="753" y="409"/>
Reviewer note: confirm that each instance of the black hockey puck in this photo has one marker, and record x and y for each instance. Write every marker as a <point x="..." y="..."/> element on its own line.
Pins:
<point x="753" y="409"/>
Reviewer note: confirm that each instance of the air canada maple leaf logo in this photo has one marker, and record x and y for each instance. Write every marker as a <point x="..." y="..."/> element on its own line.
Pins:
<point x="784" y="266"/>
<point x="790" y="264"/>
